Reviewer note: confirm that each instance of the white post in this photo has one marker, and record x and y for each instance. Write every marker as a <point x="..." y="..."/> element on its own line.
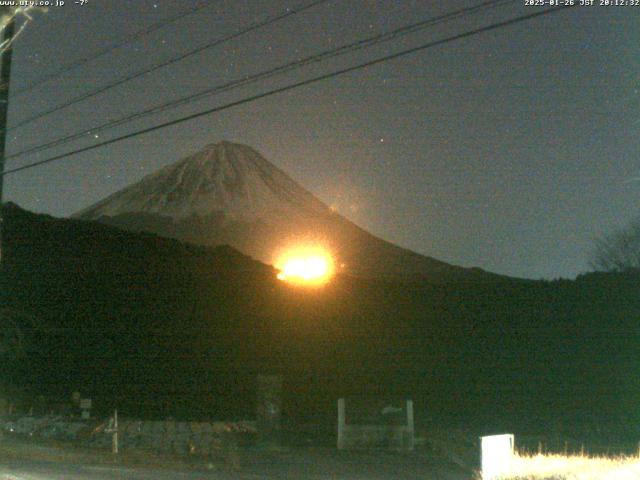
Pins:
<point x="114" y="438"/>
<point x="341" y="423"/>
<point x="410" y="424"/>
<point x="496" y="455"/>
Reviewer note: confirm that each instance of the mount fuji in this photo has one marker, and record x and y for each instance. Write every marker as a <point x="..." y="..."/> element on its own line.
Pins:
<point x="228" y="193"/>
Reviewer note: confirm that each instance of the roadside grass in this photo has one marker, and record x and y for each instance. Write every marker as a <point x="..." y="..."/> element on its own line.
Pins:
<point x="573" y="467"/>
<point x="15" y="449"/>
<point x="575" y="463"/>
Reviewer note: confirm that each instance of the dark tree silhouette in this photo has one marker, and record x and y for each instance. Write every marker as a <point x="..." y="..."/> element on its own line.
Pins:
<point x="12" y="324"/>
<point x="619" y="251"/>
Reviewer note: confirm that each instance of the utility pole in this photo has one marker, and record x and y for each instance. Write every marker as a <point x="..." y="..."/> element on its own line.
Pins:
<point x="5" y="78"/>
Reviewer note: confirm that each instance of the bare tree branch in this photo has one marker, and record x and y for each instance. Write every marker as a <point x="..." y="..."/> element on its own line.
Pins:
<point x="619" y="251"/>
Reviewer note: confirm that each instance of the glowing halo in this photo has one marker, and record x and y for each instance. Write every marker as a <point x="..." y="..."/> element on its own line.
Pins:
<point x="312" y="266"/>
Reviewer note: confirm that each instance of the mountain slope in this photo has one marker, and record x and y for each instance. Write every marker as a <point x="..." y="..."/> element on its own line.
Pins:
<point x="229" y="194"/>
<point x="159" y="327"/>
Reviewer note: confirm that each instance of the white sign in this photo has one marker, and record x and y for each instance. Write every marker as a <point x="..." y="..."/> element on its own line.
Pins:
<point x="85" y="404"/>
<point x="497" y="455"/>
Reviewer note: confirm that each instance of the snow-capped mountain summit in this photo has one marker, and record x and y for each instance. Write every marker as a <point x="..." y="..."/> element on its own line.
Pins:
<point x="222" y="178"/>
<point x="230" y="194"/>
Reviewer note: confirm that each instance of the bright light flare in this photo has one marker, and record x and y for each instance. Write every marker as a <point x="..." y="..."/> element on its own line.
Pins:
<point x="497" y="453"/>
<point x="305" y="266"/>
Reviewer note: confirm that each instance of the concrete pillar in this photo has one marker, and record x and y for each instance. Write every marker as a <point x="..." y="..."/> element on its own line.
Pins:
<point x="269" y="410"/>
<point x="410" y="428"/>
<point x="341" y="423"/>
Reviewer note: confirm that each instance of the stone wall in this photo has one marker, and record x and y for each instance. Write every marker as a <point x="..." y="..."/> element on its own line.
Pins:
<point x="163" y="436"/>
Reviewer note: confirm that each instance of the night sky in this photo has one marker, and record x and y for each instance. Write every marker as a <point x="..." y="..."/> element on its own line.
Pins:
<point x="510" y="150"/>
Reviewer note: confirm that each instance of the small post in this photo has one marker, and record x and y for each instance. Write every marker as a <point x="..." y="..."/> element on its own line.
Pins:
<point x="114" y="438"/>
<point x="85" y="408"/>
<point x="341" y="423"/>
<point x="410" y="429"/>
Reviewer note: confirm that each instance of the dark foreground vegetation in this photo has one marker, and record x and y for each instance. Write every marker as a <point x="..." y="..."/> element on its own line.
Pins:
<point x="159" y="328"/>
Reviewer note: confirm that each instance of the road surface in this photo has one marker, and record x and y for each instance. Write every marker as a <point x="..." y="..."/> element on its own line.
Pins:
<point x="307" y="465"/>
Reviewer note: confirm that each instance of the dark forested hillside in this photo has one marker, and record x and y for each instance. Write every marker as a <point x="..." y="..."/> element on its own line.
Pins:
<point x="159" y="327"/>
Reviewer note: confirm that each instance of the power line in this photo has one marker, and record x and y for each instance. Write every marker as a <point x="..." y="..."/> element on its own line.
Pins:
<point x="247" y="80"/>
<point x="292" y="86"/>
<point x="135" y="36"/>
<point x="254" y="26"/>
